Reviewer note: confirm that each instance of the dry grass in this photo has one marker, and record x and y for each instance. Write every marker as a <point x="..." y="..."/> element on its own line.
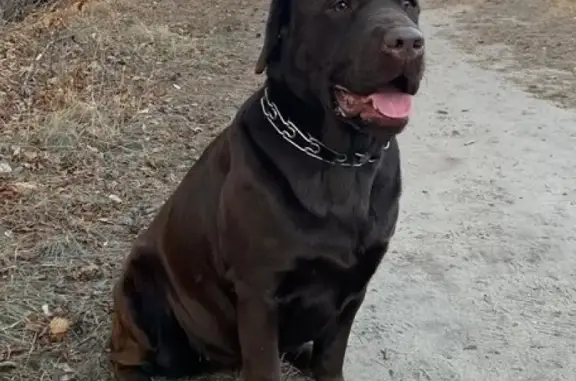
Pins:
<point x="563" y="5"/>
<point x="16" y="10"/>
<point x="103" y="107"/>
<point x="539" y="39"/>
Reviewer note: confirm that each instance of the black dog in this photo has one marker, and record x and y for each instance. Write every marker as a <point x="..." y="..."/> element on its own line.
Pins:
<point x="269" y="242"/>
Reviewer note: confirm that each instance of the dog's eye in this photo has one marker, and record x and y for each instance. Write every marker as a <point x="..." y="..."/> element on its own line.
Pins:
<point x="341" y="5"/>
<point x="407" y="3"/>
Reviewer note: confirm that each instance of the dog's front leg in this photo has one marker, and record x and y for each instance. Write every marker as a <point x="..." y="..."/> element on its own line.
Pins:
<point x="258" y="334"/>
<point x="330" y="350"/>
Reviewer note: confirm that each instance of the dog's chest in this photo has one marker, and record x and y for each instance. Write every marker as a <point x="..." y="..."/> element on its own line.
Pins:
<point x="317" y="290"/>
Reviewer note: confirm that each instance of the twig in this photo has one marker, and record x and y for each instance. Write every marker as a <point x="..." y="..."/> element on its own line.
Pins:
<point x="4" y="365"/>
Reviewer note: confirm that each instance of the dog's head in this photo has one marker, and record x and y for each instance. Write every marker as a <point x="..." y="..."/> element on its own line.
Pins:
<point x="363" y="60"/>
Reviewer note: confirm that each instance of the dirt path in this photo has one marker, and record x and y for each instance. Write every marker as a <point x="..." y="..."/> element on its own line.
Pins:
<point x="481" y="283"/>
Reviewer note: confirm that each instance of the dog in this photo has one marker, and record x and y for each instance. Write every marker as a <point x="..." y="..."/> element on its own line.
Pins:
<point x="265" y="249"/>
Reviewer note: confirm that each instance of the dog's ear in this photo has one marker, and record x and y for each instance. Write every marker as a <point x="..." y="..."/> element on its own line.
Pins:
<point x="277" y="17"/>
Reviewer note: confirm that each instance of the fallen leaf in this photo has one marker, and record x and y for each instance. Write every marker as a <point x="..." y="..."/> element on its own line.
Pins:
<point x="59" y="327"/>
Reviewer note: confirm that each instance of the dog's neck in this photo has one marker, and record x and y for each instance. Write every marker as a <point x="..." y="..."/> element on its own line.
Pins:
<point x="311" y="117"/>
<point x="323" y="189"/>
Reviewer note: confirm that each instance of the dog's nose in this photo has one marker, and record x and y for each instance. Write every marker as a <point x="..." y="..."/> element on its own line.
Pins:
<point x="403" y="42"/>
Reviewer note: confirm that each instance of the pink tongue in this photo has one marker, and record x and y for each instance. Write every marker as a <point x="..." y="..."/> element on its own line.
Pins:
<point x="393" y="105"/>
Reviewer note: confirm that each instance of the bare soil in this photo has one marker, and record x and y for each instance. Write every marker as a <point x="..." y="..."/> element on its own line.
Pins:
<point x="104" y="105"/>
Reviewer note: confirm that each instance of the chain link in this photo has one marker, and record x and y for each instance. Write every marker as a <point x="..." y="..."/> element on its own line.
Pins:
<point x="309" y="144"/>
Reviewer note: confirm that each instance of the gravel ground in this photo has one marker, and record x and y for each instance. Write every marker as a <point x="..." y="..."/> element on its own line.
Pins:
<point x="481" y="283"/>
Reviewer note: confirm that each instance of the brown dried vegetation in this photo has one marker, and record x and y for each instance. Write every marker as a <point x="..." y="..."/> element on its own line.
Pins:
<point x="103" y="107"/>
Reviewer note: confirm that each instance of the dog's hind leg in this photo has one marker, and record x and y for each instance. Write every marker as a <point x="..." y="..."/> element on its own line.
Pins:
<point x="146" y="336"/>
<point x="128" y="345"/>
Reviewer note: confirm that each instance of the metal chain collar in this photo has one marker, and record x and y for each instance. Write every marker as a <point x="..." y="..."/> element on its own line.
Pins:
<point x="307" y="143"/>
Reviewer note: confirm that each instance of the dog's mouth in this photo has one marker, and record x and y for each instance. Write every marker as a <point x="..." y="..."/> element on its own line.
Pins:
<point x="389" y="106"/>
